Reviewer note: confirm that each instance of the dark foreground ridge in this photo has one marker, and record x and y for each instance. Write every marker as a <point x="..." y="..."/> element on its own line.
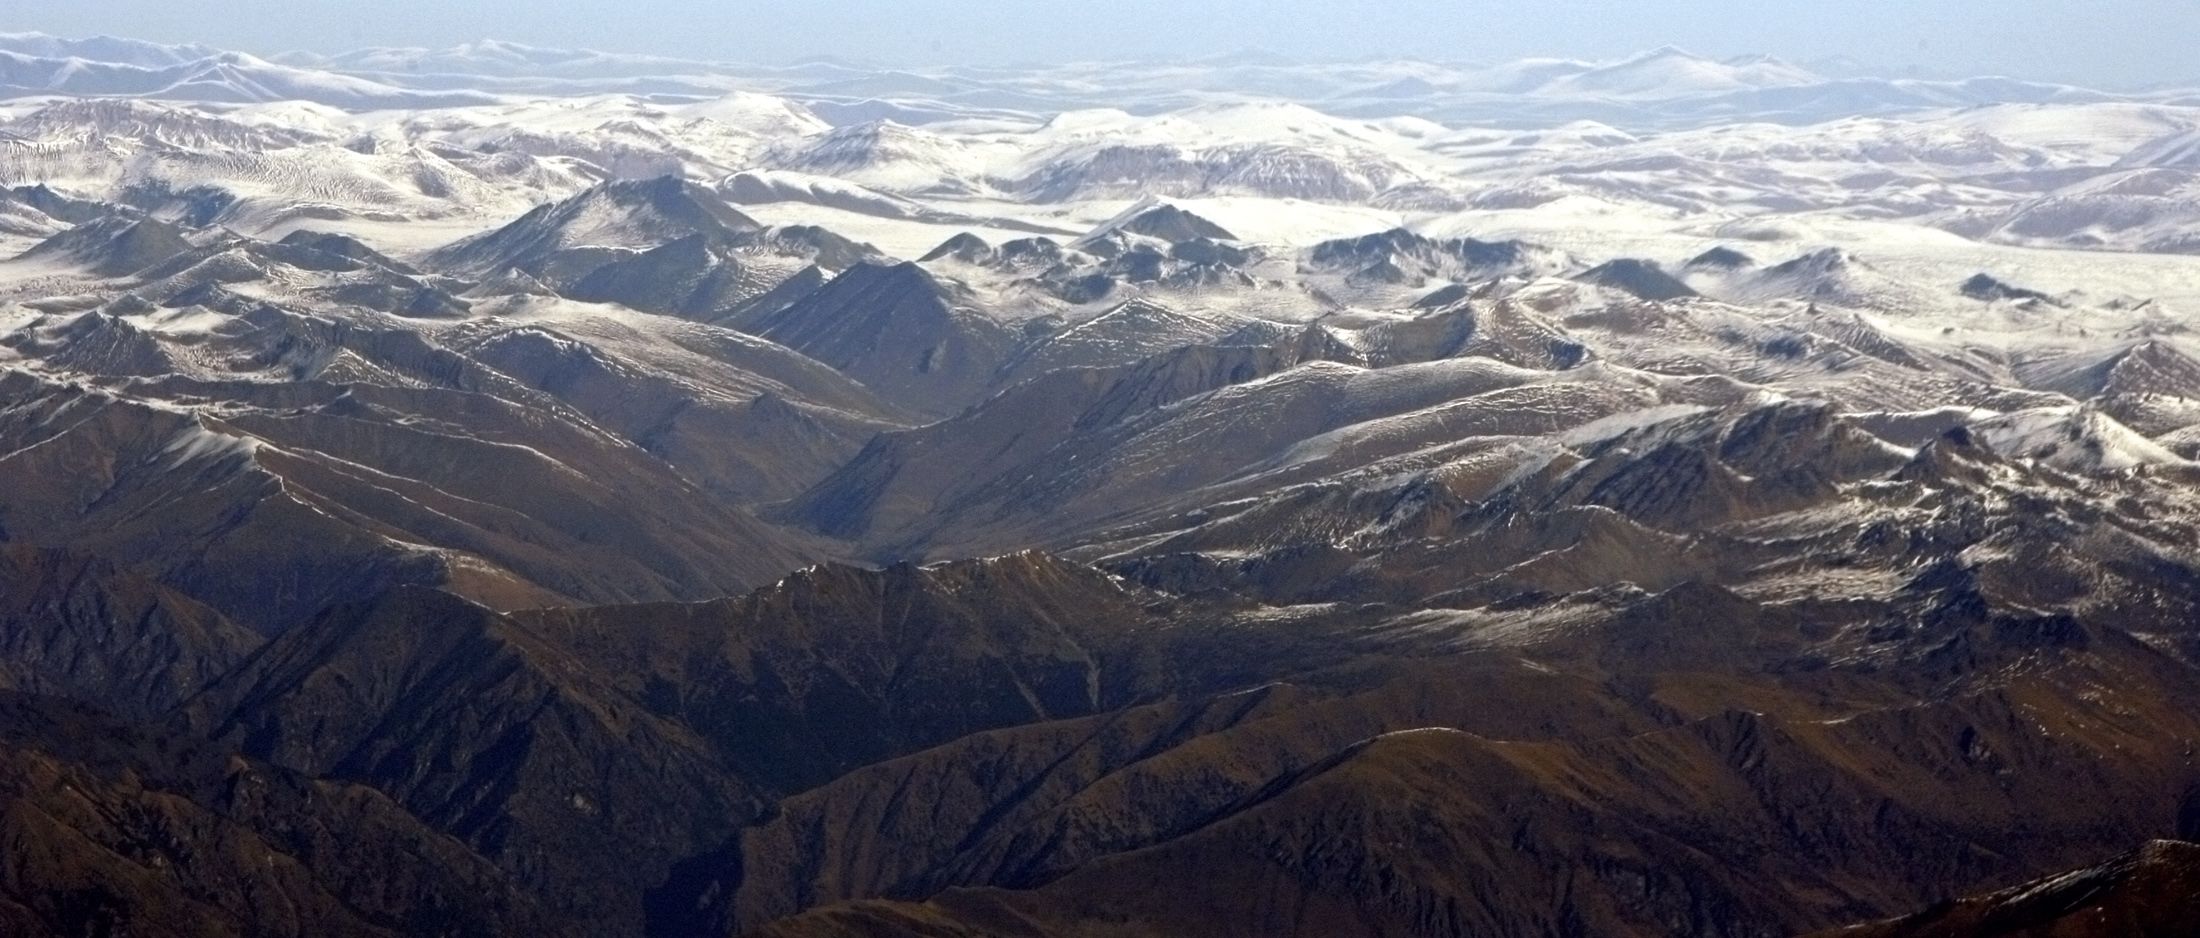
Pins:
<point x="2153" y="892"/>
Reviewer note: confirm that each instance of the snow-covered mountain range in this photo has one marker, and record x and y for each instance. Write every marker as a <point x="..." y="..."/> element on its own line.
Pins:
<point x="558" y="492"/>
<point x="1664" y="87"/>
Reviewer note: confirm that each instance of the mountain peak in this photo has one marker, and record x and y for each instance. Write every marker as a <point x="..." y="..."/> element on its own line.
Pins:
<point x="1665" y="52"/>
<point x="965" y="247"/>
<point x="1644" y="279"/>
<point x="116" y="245"/>
<point x="628" y="214"/>
<point x="1721" y="258"/>
<point x="1162" y="220"/>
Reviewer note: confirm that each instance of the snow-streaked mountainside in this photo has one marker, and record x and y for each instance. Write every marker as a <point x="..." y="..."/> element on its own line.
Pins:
<point x="940" y="239"/>
<point x="553" y="492"/>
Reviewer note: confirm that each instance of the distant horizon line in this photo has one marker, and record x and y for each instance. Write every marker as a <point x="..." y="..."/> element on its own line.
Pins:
<point x="1852" y="67"/>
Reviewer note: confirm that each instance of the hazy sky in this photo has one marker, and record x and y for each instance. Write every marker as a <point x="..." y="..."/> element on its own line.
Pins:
<point x="2102" y="42"/>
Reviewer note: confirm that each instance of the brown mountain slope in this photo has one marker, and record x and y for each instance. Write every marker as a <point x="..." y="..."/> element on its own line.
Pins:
<point x="2153" y="892"/>
<point x="588" y="750"/>
<point x="335" y="494"/>
<point x="742" y="417"/>
<point x="1026" y="804"/>
<point x="110" y="830"/>
<point x="489" y="733"/>
<point x="837" y="667"/>
<point x="1466" y="814"/>
<point x="1108" y="759"/>
<point x="76" y="627"/>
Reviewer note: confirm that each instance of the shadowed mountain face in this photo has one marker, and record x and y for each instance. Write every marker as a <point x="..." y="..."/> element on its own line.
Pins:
<point x="1425" y="808"/>
<point x="465" y="522"/>
<point x="1642" y="279"/>
<point x="897" y="330"/>
<point x="80" y="628"/>
<point x="500" y="739"/>
<point x="585" y="751"/>
<point x="113" y="830"/>
<point x="836" y="668"/>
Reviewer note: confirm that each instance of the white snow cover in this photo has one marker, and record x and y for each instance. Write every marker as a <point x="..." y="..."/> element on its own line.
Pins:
<point x="2075" y="438"/>
<point x="1858" y="205"/>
